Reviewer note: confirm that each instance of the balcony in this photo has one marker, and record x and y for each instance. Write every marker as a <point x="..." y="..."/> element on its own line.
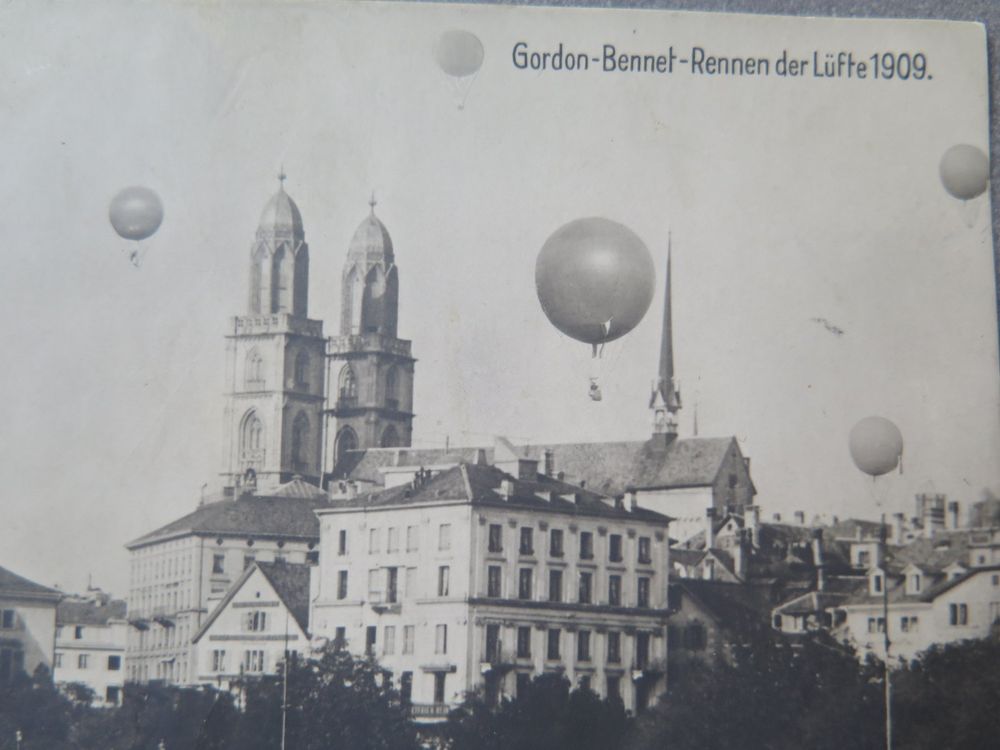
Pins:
<point x="497" y="661"/>
<point x="652" y="669"/>
<point x="384" y="602"/>
<point x="252" y="458"/>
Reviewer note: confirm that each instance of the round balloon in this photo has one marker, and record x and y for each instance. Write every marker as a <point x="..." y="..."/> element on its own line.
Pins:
<point x="965" y="171"/>
<point x="876" y="445"/>
<point x="136" y="213"/>
<point x="594" y="279"/>
<point x="459" y="53"/>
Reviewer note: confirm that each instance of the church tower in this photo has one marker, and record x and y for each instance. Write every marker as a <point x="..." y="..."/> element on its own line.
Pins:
<point x="665" y="400"/>
<point x="370" y="370"/>
<point x="275" y="355"/>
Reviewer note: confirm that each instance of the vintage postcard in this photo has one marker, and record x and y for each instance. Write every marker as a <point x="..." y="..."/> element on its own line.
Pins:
<point x="394" y="374"/>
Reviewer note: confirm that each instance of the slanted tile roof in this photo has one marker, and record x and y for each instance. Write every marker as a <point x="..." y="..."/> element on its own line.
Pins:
<point x="290" y="582"/>
<point x="734" y="605"/>
<point x="77" y="612"/>
<point x="285" y="517"/>
<point x="609" y="468"/>
<point x="481" y="485"/>
<point x="935" y="554"/>
<point x="13" y="585"/>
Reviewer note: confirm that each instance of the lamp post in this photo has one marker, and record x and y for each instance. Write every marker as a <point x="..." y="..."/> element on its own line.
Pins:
<point x="884" y="554"/>
<point x="876" y="446"/>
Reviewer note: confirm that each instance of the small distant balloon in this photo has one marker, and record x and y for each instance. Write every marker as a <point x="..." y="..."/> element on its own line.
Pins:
<point x="876" y="446"/>
<point x="136" y="213"/>
<point x="594" y="278"/>
<point x="965" y="171"/>
<point x="460" y="55"/>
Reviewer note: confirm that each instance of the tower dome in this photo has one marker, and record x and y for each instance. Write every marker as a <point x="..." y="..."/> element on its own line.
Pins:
<point x="281" y="216"/>
<point x="371" y="239"/>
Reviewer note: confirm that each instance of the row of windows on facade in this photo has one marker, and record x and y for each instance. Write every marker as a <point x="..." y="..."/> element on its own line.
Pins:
<point x="495" y="543"/>
<point x="494" y="651"/>
<point x="219" y="560"/>
<point x="252" y="661"/>
<point x="161" y="636"/>
<point x="164" y="568"/>
<point x="151" y="599"/>
<point x="383" y="585"/>
<point x="113" y="663"/>
<point x="170" y="670"/>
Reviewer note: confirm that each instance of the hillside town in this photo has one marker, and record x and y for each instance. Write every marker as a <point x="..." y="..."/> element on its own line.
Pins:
<point x="474" y="569"/>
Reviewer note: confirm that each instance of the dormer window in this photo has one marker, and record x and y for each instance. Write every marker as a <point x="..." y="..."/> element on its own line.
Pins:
<point x="876" y="583"/>
<point x="915" y="583"/>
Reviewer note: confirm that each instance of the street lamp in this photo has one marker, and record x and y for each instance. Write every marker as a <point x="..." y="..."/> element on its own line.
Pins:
<point x="876" y="446"/>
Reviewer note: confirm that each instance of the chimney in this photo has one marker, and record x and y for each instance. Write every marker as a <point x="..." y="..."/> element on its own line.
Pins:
<point x="751" y="521"/>
<point x="834" y="520"/>
<point x="550" y="462"/>
<point x="776" y="517"/>
<point x="800" y="518"/>
<point x="506" y="489"/>
<point x="953" y="515"/>
<point x="631" y="503"/>
<point x="740" y="554"/>
<point x="817" y="548"/>
<point x="709" y="528"/>
<point x="480" y="457"/>
<point x="898" y="528"/>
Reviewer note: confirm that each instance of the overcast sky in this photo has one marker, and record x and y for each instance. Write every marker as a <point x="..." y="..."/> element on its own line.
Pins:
<point x="787" y="200"/>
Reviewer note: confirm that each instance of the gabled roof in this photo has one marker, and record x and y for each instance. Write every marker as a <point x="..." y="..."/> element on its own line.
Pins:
<point x="80" y="612"/>
<point x="610" y="468"/>
<point x="935" y="554"/>
<point x="290" y="582"/>
<point x="270" y="516"/>
<point x="13" y="585"/>
<point x="481" y="485"/>
<point x="733" y="605"/>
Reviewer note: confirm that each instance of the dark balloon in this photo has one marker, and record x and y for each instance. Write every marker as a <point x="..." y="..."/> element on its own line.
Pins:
<point x="136" y="213"/>
<point x="594" y="279"/>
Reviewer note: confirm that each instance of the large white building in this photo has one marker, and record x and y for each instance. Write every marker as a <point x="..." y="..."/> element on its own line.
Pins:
<point x="91" y="633"/>
<point x="476" y="578"/>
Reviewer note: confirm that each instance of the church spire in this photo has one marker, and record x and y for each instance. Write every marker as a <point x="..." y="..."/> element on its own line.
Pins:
<point x="665" y="400"/>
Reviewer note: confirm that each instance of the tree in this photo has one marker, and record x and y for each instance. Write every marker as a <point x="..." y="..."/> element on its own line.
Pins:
<point x="547" y="715"/>
<point x="333" y="701"/>
<point x="949" y="697"/>
<point x="774" y="694"/>
<point x="34" y="707"/>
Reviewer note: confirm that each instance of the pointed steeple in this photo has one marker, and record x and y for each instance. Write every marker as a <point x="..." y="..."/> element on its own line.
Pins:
<point x="665" y="400"/>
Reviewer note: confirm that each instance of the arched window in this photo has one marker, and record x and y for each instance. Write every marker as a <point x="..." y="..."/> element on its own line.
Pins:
<point x="252" y="438"/>
<point x="253" y="371"/>
<point x="282" y="280"/>
<point x="347" y="440"/>
<point x="300" y="442"/>
<point x="302" y="370"/>
<point x="392" y="388"/>
<point x="257" y="280"/>
<point x="390" y="438"/>
<point x="348" y="384"/>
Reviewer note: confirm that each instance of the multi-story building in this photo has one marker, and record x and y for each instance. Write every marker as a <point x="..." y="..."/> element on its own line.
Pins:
<point x="262" y="616"/>
<point x="91" y="633"/>
<point x="476" y="578"/>
<point x="925" y="609"/>
<point x="180" y="571"/>
<point x="27" y="625"/>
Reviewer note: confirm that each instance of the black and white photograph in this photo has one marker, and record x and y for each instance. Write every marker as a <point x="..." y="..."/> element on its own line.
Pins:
<point x="397" y="375"/>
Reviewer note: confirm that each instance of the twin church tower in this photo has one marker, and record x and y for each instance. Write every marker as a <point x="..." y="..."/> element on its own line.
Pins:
<point x="296" y="400"/>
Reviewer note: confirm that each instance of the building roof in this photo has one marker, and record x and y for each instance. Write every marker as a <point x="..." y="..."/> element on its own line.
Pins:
<point x="250" y="515"/>
<point x="933" y="554"/>
<point x="482" y="485"/>
<point x="733" y="605"/>
<point x="371" y="240"/>
<point x="610" y="468"/>
<point x="290" y="582"/>
<point x="13" y="585"/>
<point x="935" y="584"/>
<point x="281" y="216"/>
<point x="89" y="612"/>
